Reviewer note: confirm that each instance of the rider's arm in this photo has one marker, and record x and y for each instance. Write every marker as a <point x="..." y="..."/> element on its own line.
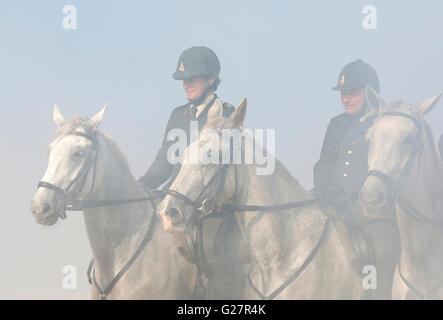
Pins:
<point x="324" y="168"/>
<point x="160" y="170"/>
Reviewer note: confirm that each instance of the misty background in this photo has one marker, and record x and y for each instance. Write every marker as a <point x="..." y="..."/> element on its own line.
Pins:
<point x="284" y="56"/>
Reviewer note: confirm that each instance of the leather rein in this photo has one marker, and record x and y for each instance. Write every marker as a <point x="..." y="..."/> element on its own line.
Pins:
<point x="201" y="206"/>
<point x="77" y="204"/>
<point x="205" y="205"/>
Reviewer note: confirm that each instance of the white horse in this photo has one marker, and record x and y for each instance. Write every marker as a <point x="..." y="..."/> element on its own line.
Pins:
<point x="133" y="257"/>
<point x="404" y="167"/>
<point x="296" y="253"/>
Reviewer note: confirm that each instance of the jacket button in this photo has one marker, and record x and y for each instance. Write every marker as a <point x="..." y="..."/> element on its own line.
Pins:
<point x="345" y="174"/>
<point x="347" y="163"/>
<point x="349" y="151"/>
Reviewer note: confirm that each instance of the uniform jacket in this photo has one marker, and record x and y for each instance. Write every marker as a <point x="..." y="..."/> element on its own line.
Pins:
<point x="161" y="170"/>
<point x="342" y="168"/>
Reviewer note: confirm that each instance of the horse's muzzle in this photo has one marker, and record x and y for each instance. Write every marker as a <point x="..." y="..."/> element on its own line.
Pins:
<point x="173" y="219"/>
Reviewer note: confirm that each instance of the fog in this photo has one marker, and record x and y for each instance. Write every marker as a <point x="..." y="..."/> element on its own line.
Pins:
<point x="284" y="56"/>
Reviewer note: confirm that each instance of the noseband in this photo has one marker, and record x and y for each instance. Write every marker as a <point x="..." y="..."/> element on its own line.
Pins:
<point x="209" y="204"/>
<point x="66" y="193"/>
<point x="206" y="202"/>
<point x="200" y="206"/>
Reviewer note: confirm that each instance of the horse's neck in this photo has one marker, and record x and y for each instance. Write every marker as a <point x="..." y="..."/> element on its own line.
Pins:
<point x="269" y="233"/>
<point x="424" y="185"/>
<point x="112" y="229"/>
<point x="275" y="188"/>
<point x="423" y="190"/>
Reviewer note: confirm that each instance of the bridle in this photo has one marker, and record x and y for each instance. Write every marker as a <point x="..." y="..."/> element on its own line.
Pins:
<point x="395" y="187"/>
<point x="207" y="204"/>
<point x="204" y="203"/>
<point x="204" y="206"/>
<point x="67" y="194"/>
<point x="76" y="204"/>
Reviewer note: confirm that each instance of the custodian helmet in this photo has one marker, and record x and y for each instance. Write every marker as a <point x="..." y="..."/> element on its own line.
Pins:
<point x="356" y="75"/>
<point x="197" y="61"/>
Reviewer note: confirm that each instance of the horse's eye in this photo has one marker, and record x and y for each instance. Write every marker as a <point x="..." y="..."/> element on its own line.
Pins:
<point x="78" y="154"/>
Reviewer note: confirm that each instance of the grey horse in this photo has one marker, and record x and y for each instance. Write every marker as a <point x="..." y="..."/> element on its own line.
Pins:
<point x="440" y="146"/>
<point x="86" y="163"/>
<point x="296" y="253"/>
<point x="404" y="168"/>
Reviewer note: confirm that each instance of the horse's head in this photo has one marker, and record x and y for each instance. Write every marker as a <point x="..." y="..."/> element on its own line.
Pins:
<point x="71" y="154"/>
<point x="395" y="139"/>
<point x="203" y="182"/>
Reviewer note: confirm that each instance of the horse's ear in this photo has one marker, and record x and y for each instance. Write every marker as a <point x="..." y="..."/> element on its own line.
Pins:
<point x="57" y="116"/>
<point x="95" y="121"/>
<point x="238" y="116"/>
<point x="426" y="106"/>
<point x="375" y="102"/>
<point x="216" y="111"/>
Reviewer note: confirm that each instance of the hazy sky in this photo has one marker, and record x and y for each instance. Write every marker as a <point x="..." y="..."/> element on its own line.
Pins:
<point x="284" y="56"/>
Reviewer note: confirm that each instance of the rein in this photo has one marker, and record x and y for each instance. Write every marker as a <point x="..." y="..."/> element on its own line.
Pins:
<point x="82" y="174"/>
<point x="414" y="289"/>
<point x="147" y="237"/>
<point x="82" y="204"/>
<point x="207" y="207"/>
<point x="78" y="204"/>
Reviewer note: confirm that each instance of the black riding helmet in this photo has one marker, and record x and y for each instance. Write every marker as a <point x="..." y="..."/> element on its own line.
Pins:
<point x="197" y="61"/>
<point x="357" y="75"/>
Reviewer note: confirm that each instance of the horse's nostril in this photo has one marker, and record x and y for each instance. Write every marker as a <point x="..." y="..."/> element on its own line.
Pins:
<point x="46" y="208"/>
<point x="381" y="198"/>
<point x="173" y="213"/>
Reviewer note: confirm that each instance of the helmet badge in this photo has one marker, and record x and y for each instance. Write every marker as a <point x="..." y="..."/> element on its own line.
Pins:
<point x="181" y="68"/>
<point x="342" y="79"/>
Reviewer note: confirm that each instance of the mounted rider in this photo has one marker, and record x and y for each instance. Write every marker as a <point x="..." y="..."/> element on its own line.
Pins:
<point x="199" y="69"/>
<point x="342" y="168"/>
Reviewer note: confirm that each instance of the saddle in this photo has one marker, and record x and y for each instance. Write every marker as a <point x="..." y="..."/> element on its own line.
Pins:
<point x="356" y="222"/>
<point x="362" y="246"/>
<point x="216" y="246"/>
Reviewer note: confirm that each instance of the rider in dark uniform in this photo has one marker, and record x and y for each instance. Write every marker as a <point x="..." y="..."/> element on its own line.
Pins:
<point x="199" y="68"/>
<point x="342" y="170"/>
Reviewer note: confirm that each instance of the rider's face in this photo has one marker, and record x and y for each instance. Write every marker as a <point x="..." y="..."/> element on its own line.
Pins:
<point x="196" y="87"/>
<point x="353" y="100"/>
